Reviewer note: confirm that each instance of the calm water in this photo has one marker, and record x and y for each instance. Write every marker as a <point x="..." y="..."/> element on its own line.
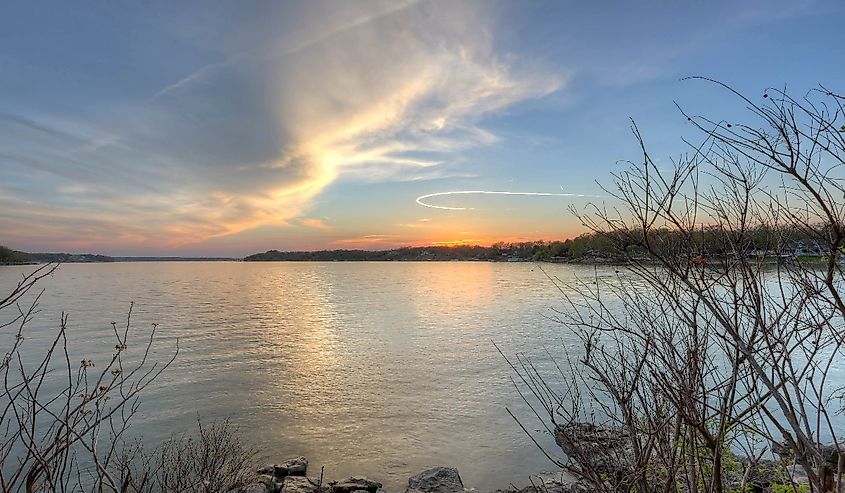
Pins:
<point x="381" y="369"/>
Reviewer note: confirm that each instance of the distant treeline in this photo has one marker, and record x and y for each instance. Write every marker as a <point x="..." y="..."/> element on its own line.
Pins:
<point x="573" y="249"/>
<point x="9" y="256"/>
<point x="398" y="254"/>
<point x="588" y="248"/>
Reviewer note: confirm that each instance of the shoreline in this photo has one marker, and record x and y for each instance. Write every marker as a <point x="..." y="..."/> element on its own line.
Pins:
<point x="589" y="262"/>
<point x="292" y="476"/>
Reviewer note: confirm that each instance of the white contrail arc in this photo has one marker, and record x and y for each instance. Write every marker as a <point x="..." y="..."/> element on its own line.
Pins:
<point x="421" y="199"/>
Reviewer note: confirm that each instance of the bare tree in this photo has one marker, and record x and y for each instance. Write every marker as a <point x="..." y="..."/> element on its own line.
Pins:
<point x="717" y="338"/>
<point x="63" y="421"/>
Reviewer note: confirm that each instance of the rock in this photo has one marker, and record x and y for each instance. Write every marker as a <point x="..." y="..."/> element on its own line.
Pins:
<point x="608" y="450"/>
<point x="270" y="481"/>
<point x="437" y="480"/>
<point x="829" y="452"/>
<point x="832" y="455"/>
<point x="257" y="487"/>
<point x="352" y="484"/>
<point x="558" y="487"/>
<point x="551" y="485"/>
<point x="298" y="484"/>
<point x="298" y="466"/>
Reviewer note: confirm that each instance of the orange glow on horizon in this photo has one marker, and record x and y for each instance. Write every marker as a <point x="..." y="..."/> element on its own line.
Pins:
<point x="454" y="243"/>
<point x="389" y="242"/>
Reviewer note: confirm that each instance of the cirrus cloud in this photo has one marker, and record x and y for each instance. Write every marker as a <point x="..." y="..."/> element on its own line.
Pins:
<point x="390" y="93"/>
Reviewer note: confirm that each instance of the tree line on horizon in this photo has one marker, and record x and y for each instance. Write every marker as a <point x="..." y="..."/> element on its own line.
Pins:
<point x="597" y="247"/>
<point x="708" y="242"/>
<point x="10" y="256"/>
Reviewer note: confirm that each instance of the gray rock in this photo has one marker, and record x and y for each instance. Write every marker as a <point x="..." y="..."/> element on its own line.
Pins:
<point x="349" y="485"/>
<point x="606" y="449"/>
<point x="270" y="481"/>
<point x="298" y="466"/>
<point x="551" y="486"/>
<point x="830" y="452"/>
<point x="563" y="487"/>
<point x="298" y="484"/>
<point x="255" y="488"/>
<point x="437" y="480"/>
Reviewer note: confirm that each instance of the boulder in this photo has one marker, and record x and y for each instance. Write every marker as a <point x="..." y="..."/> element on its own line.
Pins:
<point x="297" y="466"/>
<point x="437" y="480"/>
<point x="606" y="449"/>
<point x="298" y="484"/>
<point x="349" y="485"/>
<point x="558" y="487"/>
<point x="257" y="487"/>
<point x="563" y="487"/>
<point x="271" y="482"/>
<point x="830" y="452"/>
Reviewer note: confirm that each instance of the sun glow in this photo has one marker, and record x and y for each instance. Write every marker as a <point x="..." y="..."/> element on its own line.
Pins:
<point x="454" y="243"/>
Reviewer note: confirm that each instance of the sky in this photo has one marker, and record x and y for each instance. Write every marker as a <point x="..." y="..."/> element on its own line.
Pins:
<point x="228" y="128"/>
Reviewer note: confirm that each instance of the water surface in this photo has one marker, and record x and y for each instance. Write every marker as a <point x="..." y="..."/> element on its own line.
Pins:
<point x="381" y="369"/>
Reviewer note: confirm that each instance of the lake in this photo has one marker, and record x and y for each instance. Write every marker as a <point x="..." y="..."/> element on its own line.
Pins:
<point x="380" y="369"/>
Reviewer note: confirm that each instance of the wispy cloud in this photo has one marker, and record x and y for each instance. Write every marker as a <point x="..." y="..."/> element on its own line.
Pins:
<point x="201" y="74"/>
<point x="314" y="223"/>
<point x="394" y="93"/>
<point x="416" y="225"/>
<point x="262" y="54"/>
<point x="365" y="241"/>
<point x="392" y="100"/>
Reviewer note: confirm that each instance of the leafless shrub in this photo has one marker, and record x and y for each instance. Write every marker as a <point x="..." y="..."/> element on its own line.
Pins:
<point x="212" y="460"/>
<point x="63" y="421"/>
<point x="713" y="342"/>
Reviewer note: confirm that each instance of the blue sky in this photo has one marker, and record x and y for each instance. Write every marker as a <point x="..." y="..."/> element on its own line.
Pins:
<point x="227" y="128"/>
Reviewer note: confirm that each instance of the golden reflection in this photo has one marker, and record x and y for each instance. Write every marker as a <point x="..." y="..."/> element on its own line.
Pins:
<point x="443" y="291"/>
<point x="301" y="323"/>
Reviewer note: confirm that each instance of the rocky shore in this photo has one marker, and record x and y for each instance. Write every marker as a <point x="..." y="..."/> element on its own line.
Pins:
<point x="292" y="476"/>
<point x="603" y="451"/>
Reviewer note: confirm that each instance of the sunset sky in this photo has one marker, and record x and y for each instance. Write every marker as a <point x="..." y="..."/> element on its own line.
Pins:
<point x="228" y="128"/>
